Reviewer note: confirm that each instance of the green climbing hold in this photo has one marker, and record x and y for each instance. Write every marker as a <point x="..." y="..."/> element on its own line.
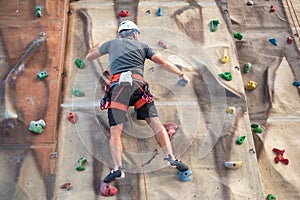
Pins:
<point x="37" y="126"/>
<point x="42" y="75"/>
<point x="238" y="36"/>
<point x="247" y="68"/>
<point x="77" y="92"/>
<point x="38" y="11"/>
<point x="227" y="76"/>
<point x="79" y="63"/>
<point x="271" y="197"/>
<point x="257" y="128"/>
<point x="80" y="162"/>
<point x="240" y="139"/>
<point x="214" y="25"/>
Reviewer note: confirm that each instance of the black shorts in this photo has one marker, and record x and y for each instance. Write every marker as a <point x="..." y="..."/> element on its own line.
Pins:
<point x="128" y="96"/>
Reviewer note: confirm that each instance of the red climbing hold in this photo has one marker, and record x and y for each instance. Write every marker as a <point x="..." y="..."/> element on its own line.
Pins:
<point x="67" y="186"/>
<point x="123" y="13"/>
<point x="72" y="117"/>
<point x="162" y="44"/>
<point x="289" y="40"/>
<point x="272" y="8"/>
<point x="279" y="156"/>
<point x="171" y="128"/>
<point x="108" y="190"/>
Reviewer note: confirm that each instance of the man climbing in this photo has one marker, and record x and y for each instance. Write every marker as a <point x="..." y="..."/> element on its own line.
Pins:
<point x="128" y="88"/>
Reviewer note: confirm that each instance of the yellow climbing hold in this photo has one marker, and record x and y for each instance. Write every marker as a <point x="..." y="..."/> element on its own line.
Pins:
<point x="230" y="110"/>
<point x="251" y="85"/>
<point x="225" y="57"/>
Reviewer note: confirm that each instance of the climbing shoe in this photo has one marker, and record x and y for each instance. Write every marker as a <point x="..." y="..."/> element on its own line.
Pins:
<point x="180" y="166"/>
<point x="113" y="175"/>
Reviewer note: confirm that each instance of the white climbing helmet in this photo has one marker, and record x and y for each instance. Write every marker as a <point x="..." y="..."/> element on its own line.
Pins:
<point x="127" y="25"/>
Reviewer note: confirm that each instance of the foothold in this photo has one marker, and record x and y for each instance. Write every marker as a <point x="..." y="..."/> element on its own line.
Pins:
<point x="225" y="57"/>
<point x="230" y="110"/>
<point x="256" y="128"/>
<point x="162" y="44"/>
<point x="42" y="34"/>
<point x="171" y="128"/>
<point x="238" y="36"/>
<point x="38" y="11"/>
<point x="37" y="126"/>
<point x="80" y="162"/>
<point x="42" y="75"/>
<point x="233" y="164"/>
<point x="77" y="92"/>
<point x="123" y="13"/>
<point x="279" y="156"/>
<point x="247" y="68"/>
<point x="72" y="117"/>
<point x="252" y="150"/>
<point x="296" y="83"/>
<point x="79" y="63"/>
<point x="67" y="186"/>
<point x="289" y="40"/>
<point x="250" y="3"/>
<point x="271" y="197"/>
<point x="107" y="189"/>
<point x="273" y="41"/>
<point x="227" y="76"/>
<point x="214" y="25"/>
<point x="272" y="8"/>
<point x="185" y="176"/>
<point x="159" y="12"/>
<point x="240" y="139"/>
<point x="251" y="85"/>
<point x="182" y="82"/>
<point x="148" y="12"/>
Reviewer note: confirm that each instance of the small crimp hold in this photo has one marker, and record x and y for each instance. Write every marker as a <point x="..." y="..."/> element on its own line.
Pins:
<point x="162" y="44"/>
<point x="185" y="176"/>
<point x="226" y="76"/>
<point x="279" y="156"/>
<point x="296" y="83"/>
<point x="77" y="92"/>
<point x="272" y="8"/>
<point x="67" y="186"/>
<point x="171" y="128"/>
<point x="123" y="13"/>
<point x="237" y="35"/>
<point x="256" y="128"/>
<point x="42" y="75"/>
<point x="247" y="68"/>
<point x="159" y="12"/>
<point x="225" y="57"/>
<point x="230" y="110"/>
<point x="80" y="162"/>
<point x="273" y="41"/>
<point x="72" y="117"/>
<point x="250" y="3"/>
<point x="251" y="85"/>
<point x="37" y="126"/>
<point x="289" y="40"/>
<point x="214" y="25"/>
<point x="38" y="11"/>
<point x="271" y="197"/>
<point x="79" y="63"/>
<point x="240" y="139"/>
<point x="107" y="189"/>
<point x="233" y="164"/>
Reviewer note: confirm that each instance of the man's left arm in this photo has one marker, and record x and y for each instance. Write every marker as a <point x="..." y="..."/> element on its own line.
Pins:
<point x="93" y="53"/>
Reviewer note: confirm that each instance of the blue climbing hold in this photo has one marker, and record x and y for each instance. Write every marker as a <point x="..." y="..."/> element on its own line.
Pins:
<point x="159" y="12"/>
<point x="181" y="82"/>
<point x="185" y="176"/>
<point x="273" y="41"/>
<point x="296" y="83"/>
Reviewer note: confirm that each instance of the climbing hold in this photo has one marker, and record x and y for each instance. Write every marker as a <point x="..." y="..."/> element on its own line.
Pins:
<point x="227" y="76"/>
<point x="148" y="12"/>
<point x="251" y="150"/>
<point x="185" y="176"/>
<point x="108" y="190"/>
<point x="273" y="41"/>
<point x="250" y="3"/>
<point x="77" y="92"/>
<point x="272" y="8"/>
<point x="42" y="75"/>
<point x="289" y="40"/>
<point x="181" y="82"/>
<point x="251" y="85"/>
<point x="79" y="63"/>
<point x="296" y="83"/>
<point x="72" y="117"/>
<point x="80" y="162"/>
<point x="233" y="164"/>
<point x="225" y="57"/>
<point x="238" y="36"/>
<point x="123" y="13"/>
<point x="247" y="68"/>
<point x="67" y="186"/>
<point x="159" y="12"/>
<point x="42" y="34"/>
<point x="256" y="128"/>
<point x="240" y="139"/>
<point x="37" y="126"/>
<point x="214" y="25"/>
<point x="279" y="156"/>
<point x="171" y="128"/>
<point x="230" y="110"/>
<point x="38" y="11"/>
<point x="162" y="44"/>
<point x="271" y="197"/>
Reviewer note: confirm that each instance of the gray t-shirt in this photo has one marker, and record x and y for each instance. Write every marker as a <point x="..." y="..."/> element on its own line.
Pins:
<point x="126" y="54"/>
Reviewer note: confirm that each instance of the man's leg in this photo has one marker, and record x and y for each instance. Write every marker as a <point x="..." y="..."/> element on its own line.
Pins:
<point x="115" y="144"/>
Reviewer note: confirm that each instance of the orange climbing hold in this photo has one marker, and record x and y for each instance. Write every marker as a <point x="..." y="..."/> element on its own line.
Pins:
<point x="67" y="186"/>
<point x="171" y="128"/>
<point x="108" y="190"/>
<point x="72" y="117"/>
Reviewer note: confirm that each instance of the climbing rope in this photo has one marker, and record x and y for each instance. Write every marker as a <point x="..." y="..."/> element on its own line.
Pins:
<point x="290" y="8"/>
<point x="139" y="152"/>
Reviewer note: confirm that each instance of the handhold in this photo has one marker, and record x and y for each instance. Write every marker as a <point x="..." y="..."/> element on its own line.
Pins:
<point x="182" y="82"/>
<point x="214" y="25"/>
<point x="271" y="197"/>
<point x="162" y="44"/>
<point x="240" y="139"/>
<point x="237" y="35"/>
<point x="72" y="117"/>
<point x="42" y="75"/>
<point x="77" y="92"/>
<point x="225" y="57"/>
<point x="272" y="8"/>
<point x="159" y="12"/>
<point x="37" y="126"/>
<point x="256" y="128"/>
<point x="251" y="85"/>
<point x="250" y="3"/>
<point x="247" y="68"/>
<point x="79" y="63"/>
<point x="296" y="83"/>
<point x="107" y="189"/>
<point x="80" y="162"/>
<point x="123" y="13"/>
<point x="171" y="128"/>
<point x="230" y="110"/>
<point x="67" y="186"/>
<point x="148" y="12"/>
<point x="226" y="75"/>
<point x="38" y="11"/>
<point x="42" y="34"/>
<point x="233" y="164"/>
<point x="185" y="176"/>
<point x="279" y="156"/>
<point x="273" y="41"/>
<point x="289" y="40"/>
